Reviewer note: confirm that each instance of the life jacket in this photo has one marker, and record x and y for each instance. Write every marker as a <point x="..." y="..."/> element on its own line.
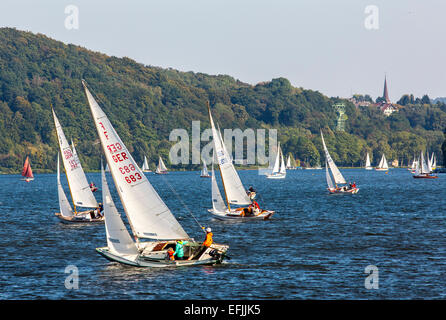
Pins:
<point x="170" y="254"/>
<point x="208" y="241"/>
<point x="254" y="204"/>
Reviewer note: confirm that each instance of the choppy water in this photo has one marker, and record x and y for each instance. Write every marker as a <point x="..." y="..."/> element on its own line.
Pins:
<point x="315" y="247"/>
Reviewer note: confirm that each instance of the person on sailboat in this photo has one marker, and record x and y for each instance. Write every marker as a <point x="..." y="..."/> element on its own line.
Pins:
<point x="206" y="244"/>
<point x="251" y="193"/>
<point x="93" y="187"/>
<point x="253" y="208"/>
<point x="170" y="254"/>
<point x="179" y="249"/>
<point x="208" y="241"/>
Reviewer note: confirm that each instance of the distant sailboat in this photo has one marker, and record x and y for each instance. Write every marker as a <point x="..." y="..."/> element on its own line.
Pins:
<point x="279" y="170"/>
<point x="148" y="216"/>
<point x="337" y="175"/>
<point x="161" y="169"/>
<point x="289" y="166"/>
<point x="382" y="166"/>
<point x="234" y="191"/>
<point x="81" y="193"/>
<point x="145" y="166"/>
<point x="107" y="169"/>
<point x="414" y="165"/>
<point x="424" y="170"/>
<point x="204" y="171"/>
<point x="367" y="163"/>
<point x="27" y="173"/>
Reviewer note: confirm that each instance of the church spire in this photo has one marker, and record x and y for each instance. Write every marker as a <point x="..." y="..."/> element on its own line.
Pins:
<point x="386" y="93"/>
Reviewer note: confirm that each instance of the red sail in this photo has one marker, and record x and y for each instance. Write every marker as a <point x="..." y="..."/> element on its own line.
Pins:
<point x="27" y="172"/>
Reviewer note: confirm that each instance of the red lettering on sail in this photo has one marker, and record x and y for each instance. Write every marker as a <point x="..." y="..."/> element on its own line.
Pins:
<point x="103" y="130"/>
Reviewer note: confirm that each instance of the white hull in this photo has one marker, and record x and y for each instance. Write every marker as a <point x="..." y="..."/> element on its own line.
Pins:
<point x="368" y="168"/>
<point x="276" y="176"/>
<point x="381" y="169"/>
<point x="236" y="215"/>
<point x="340" y="191"/>
<point x="157" y="259"/>
<point x="82" y="217"/>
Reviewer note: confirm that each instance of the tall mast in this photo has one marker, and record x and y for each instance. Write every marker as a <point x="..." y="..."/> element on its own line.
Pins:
<point x="219" y="169"/>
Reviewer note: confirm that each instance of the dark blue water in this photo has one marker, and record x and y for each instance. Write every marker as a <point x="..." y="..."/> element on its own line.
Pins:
<point x="315" y="247"/>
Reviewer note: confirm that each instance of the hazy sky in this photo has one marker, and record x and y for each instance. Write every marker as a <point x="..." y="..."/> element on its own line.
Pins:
<point x="316" y="44"/>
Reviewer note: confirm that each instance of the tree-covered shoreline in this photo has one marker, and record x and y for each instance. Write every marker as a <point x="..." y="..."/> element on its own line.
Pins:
<point x="145" y="103"/>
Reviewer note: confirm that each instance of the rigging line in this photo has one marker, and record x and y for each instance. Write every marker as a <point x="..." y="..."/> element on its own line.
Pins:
<point x="182" y="202"/>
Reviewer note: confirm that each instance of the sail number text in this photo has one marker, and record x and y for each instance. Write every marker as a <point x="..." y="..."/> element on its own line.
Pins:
<point x="128" y="169"/>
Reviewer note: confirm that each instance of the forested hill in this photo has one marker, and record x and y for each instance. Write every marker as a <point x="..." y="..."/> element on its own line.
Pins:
<point x="145" y="103"/>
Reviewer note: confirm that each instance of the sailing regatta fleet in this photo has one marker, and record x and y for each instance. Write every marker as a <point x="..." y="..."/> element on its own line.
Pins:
<point x="154" y="228"/>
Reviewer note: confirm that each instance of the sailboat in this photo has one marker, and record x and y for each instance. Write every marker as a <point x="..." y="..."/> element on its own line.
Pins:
<point x="161" y="168"/>
<point x="288" y="164"/>
<point x="413" y="167"/>
<point x="145" y="165"/>
<point x="204" y="171"/>
<point x="278" y="172"/>
<point x="337" y="175"/>
<point x="81" y="193"/>
<point x="27" y="173"/>
<point x="424" y="170"/>
<point x="107" y="169"/>
<point x="367" y="163"/>
<point x="382" y="166"/>
<point x="433" y="161"/>
<point x="152" y="224"/>
<point x="234" y="191"/>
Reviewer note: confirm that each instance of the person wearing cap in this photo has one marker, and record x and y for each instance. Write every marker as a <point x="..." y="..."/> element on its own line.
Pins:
<point x="208" y="241"/>
<point x="179" y="249"/>
<point x="251" y="193"/>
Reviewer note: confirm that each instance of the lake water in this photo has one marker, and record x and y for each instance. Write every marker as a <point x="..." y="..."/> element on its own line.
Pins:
<point x="316" y="246"/>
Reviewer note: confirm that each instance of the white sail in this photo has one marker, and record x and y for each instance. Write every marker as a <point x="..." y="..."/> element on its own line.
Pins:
<point x="434" y="164"/>
<point x="118" y="238"/>
<point x="414" y="163"/>
<point x="148" y="215"/>
<point x="217" y="201"/>
<point x="429" y="164"/>
<point x="282" y="163"/>
<point x="145" y="165"/>
<point x="417" y="169"/>
<point x="107" y="169"/>
<point x="380" y="165"/>
<point x="276" y="167"/>
<point x="204" y="171"/>
<point x="337" y="175"/>
<point x="384" y="164"/>
<point x="78" y="184"/>
<point x="288" y="162"/>
<point x="235" y="191"/>
<point x="367" y="161"/>
<point x="423" y="166"/>
<point x="64" y="205"/>
<point x="327" y="176"/>
<point x="161" y="167"/>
